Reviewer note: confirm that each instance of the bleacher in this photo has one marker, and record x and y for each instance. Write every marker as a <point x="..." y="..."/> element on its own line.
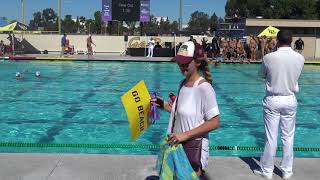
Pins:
<point x="232" y="27"/>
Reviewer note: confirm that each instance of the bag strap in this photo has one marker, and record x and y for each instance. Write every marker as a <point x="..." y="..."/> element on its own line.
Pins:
<point x="175" y="108"/>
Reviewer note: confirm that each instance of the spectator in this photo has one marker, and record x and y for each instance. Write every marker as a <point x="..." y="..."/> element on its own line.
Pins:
<point x="299" y="45"/>
<point x="157" y="45"/>
<point x="89" y="47"/>
<point x="191" y="38"/>
<point x="215" y="47"/>
<point x="1" y="48"/>
<point x="185" y="126"/>
<point x="63" y="44"/>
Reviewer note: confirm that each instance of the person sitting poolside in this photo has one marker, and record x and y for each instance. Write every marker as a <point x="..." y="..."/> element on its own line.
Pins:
<point x="19" y="76"/>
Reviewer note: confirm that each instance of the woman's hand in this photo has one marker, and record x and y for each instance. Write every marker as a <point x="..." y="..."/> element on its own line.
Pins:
<point x="166" y="105"/>
<point x="175" y="139"/>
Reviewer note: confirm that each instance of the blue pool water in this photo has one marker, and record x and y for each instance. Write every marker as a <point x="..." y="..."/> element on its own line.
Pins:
<point x="79" y="103"/>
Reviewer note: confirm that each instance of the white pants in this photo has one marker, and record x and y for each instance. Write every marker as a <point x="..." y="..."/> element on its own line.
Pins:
<point x="150" y="51"/>
<point x="278" y="109"/>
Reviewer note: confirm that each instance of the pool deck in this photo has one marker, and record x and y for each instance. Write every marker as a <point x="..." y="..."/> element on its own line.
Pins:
<point x="136" y="167"/>
<point x="113" y="57"/>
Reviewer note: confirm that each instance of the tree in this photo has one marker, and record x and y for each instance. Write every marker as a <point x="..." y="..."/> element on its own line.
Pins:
<point x="49" y="18"/>
<point x="37" y="21"/>
<point x="131" y="27"/>
<point x="303" y="9"/>
<point x="213" y="22"/>
<point x="90" y="27"/>
<point x="98" y="22"/>
<point x="174" y="26"/>
<point x="199" y="22"/>
<point x="284" y="9"/>
<point x="82" y="24"/>
<point x="164" y="26"/>
<point x="239" y="5"/>
<point x="318" y="8"/>
<point x="68" y="25"/>
<point x="151" y="27"/>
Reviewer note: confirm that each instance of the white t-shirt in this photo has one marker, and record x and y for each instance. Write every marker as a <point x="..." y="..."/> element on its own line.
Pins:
<point x="282" y="70"/>
<point x="196" y="105"/>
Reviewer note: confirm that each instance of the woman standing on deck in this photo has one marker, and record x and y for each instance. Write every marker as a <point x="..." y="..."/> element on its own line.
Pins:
<point x="195" y="111"/>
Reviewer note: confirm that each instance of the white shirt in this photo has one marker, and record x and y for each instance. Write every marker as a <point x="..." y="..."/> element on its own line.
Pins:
<point x="151" y="43"/>
<point x="196" y="105"/>
<point x="282" y="70"/>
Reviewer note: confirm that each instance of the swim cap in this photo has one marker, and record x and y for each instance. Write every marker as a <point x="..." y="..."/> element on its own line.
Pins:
<point x="18" y="74"/>
<point x="37" y="73"/>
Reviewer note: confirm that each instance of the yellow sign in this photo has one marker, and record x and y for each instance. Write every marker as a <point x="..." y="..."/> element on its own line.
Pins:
<point x="269" y="32"/>
<point x="137" y="105"/>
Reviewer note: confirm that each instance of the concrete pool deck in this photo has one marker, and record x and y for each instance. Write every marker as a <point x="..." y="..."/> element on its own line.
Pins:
<point x="15" y="166"/>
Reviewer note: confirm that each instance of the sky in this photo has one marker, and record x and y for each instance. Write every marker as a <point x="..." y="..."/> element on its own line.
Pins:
<point x="11" y="9"/>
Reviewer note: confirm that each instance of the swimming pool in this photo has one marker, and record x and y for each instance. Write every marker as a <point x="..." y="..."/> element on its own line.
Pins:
<point x="76" y="108"/>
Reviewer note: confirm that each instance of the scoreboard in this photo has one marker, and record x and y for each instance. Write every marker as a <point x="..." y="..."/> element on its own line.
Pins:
<point x="126" y="10"/>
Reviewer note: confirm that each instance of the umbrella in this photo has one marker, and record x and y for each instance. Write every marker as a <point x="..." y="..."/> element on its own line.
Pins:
<point x="14" y="27"/>
<point x="269" y="32"/>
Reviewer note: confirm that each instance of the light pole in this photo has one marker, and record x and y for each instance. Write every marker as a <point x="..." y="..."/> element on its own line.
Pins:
<point x="180" y="15"/>
<point x="22" y="9"/>
<point x="59" y="16"/>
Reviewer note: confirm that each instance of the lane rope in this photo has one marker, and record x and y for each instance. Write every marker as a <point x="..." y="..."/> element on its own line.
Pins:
<point x="141" y="146"/>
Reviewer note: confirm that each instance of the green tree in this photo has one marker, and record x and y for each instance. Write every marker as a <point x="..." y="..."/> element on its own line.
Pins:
<point x="174" y="26"/>
<point x="199" y="22"/>
<point x="303" y="9"/>
<point x="90" y="26"/>
<point x="274" y="9"/>
<point x="37" y="21"/>
<point x="164" y="26"/>
<point x="318" y="8"/>
<point x="131" y="27"/>
<point x="213" y="22"/>
<point x="68" y="25"/>
<point x="82" y="24"/>
<point x="149" y="27"/>
<point x="98" y="22"/>
<point x="239" y="5"/>
<point x="49" y="17"/>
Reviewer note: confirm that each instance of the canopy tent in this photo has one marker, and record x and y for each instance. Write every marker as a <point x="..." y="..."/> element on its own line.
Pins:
<point x="14" y="27"/>
<point x="269" y="32"/>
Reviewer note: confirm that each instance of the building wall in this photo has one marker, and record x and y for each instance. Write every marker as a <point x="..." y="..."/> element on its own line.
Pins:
<point x="309" y="46"/>
<point x="318" y="48"/>
<point x="104" y="44"/>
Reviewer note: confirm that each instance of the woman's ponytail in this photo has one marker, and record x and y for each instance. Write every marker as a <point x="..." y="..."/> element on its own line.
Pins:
<point x="204" y="68"/>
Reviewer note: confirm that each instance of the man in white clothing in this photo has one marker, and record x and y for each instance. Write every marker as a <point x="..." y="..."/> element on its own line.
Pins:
<point x="150" y="47"/>
<point x="281" y="69"/>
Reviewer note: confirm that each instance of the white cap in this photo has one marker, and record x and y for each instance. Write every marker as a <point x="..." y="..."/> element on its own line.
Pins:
<point x="18" y="74"/>
<point x="37" y="73"/>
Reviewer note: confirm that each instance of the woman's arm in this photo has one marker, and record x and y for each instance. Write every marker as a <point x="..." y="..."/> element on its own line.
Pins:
<point x="207" y="126"/>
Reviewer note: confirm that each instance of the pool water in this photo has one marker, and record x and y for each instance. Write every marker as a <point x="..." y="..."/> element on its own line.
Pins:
<point x="79" y="103"/>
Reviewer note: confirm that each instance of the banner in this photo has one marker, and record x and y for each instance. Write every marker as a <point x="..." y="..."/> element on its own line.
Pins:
<point x="144" y="10"/>
<point x="106" y="10"/>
